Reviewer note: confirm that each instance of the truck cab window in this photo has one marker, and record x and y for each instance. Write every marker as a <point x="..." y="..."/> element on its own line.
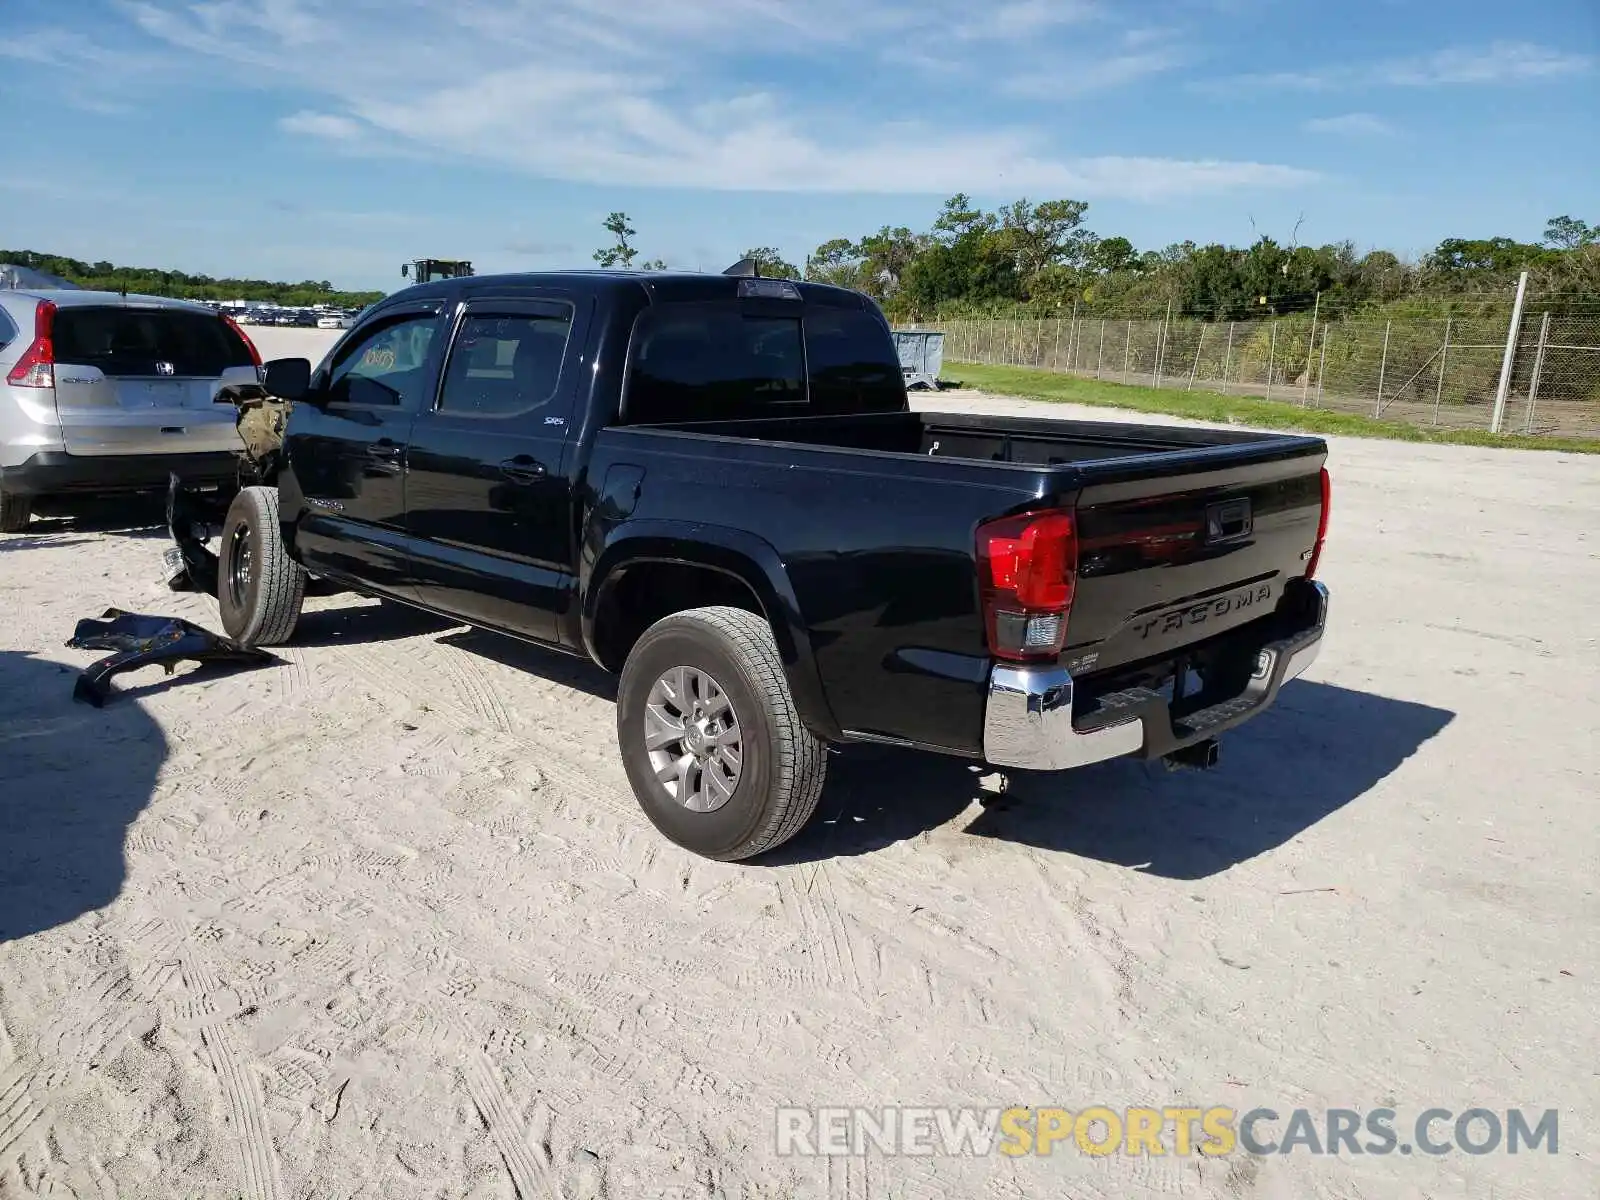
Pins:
<point x="712" y="361"/>
<point x="386" y="368"/>
<point x="853" y="363"/>
<point x="505" y="364"/>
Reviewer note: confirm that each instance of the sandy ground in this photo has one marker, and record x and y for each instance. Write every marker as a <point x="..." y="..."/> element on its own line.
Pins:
<point x="384" y="921"/>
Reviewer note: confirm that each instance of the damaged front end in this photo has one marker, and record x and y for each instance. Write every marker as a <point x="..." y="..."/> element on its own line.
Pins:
<point x="192" y="515"/>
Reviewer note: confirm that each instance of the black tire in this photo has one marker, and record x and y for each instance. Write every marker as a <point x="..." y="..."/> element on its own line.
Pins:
<point x="15" y="512"/>
<point x="783" y="763"/>
<point x="259" y="587"/>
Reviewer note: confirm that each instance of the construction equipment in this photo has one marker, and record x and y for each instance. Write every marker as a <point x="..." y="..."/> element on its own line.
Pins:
<point x="426" y="270"/>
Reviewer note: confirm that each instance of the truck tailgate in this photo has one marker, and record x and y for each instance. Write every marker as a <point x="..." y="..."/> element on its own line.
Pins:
<point x="1178" y="550"/>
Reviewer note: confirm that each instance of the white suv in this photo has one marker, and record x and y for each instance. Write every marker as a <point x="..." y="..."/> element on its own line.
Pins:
<point x="105" y="393"/>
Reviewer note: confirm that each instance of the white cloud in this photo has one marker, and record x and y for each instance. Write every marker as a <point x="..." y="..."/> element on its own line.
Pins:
<point x="323" y="125"/>
<point x="1082" y="78"/>
<point x="1499" y="62"/>
<point x="1025" y="18"/>
<point x="1356" y="124"/>
<point x="663" y="94"/>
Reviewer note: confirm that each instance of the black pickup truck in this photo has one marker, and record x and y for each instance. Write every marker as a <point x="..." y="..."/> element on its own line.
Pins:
<point x="714" y="486"/>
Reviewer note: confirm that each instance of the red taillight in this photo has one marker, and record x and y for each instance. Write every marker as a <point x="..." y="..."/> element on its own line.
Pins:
<point x="36" y="368"/>
<point x="1027" y="572"/>
<point x="1322" y="526"/>
<point x="255" y="355"/>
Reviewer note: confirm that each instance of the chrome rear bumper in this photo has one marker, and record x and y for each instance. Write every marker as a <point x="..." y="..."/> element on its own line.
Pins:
<point x="1028" y="718"/>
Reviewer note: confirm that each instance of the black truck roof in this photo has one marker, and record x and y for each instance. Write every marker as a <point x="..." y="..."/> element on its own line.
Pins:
<point x="658" y="287"/>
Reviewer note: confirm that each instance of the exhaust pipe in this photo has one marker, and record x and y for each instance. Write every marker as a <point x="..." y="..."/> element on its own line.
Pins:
<point x="1201" y="756"/>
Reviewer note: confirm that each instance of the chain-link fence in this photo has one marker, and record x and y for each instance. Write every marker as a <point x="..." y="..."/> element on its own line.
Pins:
<point x="1444" y="372"/>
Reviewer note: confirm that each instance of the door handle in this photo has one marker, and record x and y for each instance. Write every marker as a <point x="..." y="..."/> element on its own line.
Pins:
<point x="523" y="469"/>
<point x="385" y="457"/>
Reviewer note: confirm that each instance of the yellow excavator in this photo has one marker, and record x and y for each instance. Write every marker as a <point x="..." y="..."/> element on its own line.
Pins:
<point x="426" y="270"/>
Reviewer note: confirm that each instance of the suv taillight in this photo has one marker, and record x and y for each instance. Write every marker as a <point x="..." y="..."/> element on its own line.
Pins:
<point x="255" y="355"/>
<point x="1027" y="574"/>
<point x="1322" y="526"/>
<point x="36" y="368"/>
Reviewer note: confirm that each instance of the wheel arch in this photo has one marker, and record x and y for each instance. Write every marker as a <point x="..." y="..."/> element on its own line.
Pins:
<point x="649" y="570"/>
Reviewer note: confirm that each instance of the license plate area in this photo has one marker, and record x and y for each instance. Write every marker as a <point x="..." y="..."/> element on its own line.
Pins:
<point x="139" y="394"/>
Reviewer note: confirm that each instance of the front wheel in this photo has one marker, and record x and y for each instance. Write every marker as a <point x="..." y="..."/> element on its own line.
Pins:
<point x="259" y="587"/>
<point x="714" y="748"/>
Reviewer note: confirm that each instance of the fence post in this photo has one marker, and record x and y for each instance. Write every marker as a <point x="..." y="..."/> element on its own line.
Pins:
<point x="1504" y="390"/>
<point x="1311" y="349"/>
<point x="1161" y="343"/>
<point x="1444" y="355"/>
<point x="1057" y="354"/>
<point x="1383" y="368"/>
<point x="1227" y="360"/>
<point x="1538" y="369"/>
<point x="1198" y="347"/>
<point x="1127" y="347"/>
<point x="1272" y="358"/>
<point x="1072" y="340"/>
<point x="1100" y="355"/>
<point x="1322" y="371"/>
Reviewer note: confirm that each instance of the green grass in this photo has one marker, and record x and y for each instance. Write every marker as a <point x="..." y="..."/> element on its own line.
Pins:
<point x="1237" y="410"/>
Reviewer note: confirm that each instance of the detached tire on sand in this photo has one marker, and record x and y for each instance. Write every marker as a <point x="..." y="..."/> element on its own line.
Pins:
<point x="259" y="587"/>
<point x="716" y="753"/>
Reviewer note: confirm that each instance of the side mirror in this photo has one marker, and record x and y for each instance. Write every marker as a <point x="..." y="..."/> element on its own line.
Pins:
<point x="287" y="378"/>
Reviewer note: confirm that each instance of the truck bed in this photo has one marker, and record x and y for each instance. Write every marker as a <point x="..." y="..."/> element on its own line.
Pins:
<point x="1031" y="441"/>
<point x="875" y="517"/>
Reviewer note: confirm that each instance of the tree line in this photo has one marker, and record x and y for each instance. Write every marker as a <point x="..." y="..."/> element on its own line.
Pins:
<point x="1040" y="259"/>
<point x="150" y="281"/>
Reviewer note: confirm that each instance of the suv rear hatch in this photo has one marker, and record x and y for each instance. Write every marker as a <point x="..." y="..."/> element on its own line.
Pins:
<point x="133" y="379"/>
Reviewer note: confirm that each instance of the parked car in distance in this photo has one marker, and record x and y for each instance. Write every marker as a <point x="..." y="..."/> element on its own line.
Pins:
<point x="101" y="393"/>
<point x="333" y="322"/>
<point x="714" y="485"/>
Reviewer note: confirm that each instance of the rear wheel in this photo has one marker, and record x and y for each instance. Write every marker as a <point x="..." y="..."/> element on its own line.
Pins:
<point x="714" y="748"/>
<point x="259" y="587"/>
<point x="15" y="511"/>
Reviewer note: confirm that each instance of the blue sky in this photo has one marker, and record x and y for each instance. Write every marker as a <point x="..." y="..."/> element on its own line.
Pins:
<point x="303" y="139"/>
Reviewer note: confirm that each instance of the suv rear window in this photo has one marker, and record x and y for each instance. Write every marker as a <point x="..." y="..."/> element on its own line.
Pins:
<point x="710" y="361"/>
<point x="147" y="341"/>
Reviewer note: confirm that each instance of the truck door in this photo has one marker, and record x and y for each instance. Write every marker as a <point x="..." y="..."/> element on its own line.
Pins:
<point x="488" y="502"/>
<point x="347" y="448"/>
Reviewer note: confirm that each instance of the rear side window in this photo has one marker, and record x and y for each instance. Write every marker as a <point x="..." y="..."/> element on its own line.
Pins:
<point x="8" y="329"/>
<point x="505" y="364"/>
<point x="853" y="362"/>
<point x="148" y="341"/>
<point x="708" y="361"/>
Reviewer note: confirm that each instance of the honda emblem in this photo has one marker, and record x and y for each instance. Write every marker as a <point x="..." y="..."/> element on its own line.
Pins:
<point x="164" y="368"/>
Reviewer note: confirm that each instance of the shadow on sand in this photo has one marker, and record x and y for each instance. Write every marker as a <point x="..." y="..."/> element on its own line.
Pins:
<point x="138" y="514"/>
<point x="1316" y="750"/>
<point x="72" y="779"/>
